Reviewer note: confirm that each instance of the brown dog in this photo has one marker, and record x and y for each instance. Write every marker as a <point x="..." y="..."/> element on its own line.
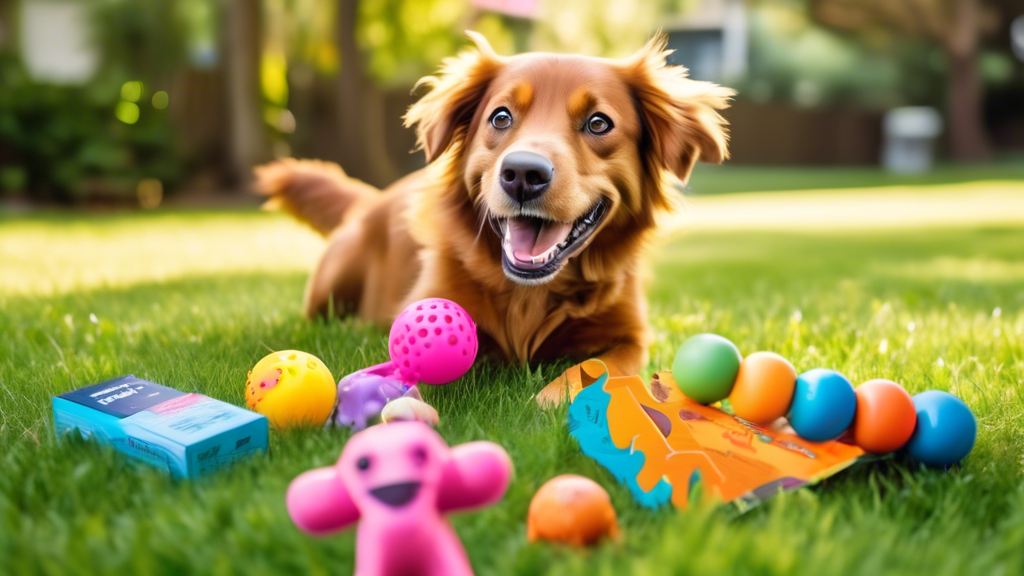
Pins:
<point x="546" y="174"/>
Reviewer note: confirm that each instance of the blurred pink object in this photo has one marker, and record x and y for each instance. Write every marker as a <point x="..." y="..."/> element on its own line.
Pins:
<point x="519" y="8"/>
<point x="398" y="481"/>
<point x="433" y="341"/>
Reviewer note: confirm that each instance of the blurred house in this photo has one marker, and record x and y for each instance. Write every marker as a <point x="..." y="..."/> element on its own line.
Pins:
<point x="55" y="42"/>
<point x="712" y="40"/>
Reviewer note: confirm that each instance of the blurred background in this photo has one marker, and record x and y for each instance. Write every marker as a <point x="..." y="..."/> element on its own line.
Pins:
<point x="155" y="102"/>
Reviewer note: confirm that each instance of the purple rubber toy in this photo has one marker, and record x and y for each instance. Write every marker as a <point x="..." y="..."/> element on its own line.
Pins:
<point x="432" y="341"/>
<point x="363" y="394"/>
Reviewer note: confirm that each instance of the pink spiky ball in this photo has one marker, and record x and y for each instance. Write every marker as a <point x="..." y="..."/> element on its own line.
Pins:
<point x="433" y="341"/>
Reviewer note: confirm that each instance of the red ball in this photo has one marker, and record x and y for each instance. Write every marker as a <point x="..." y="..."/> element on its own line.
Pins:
<point x="885" y="418"/>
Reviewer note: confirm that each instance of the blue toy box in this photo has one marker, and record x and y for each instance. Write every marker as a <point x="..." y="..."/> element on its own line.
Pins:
<point x="186" y="434"/>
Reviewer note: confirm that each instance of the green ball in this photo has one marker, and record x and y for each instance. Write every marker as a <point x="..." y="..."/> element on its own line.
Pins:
<point x="705" y="368"/>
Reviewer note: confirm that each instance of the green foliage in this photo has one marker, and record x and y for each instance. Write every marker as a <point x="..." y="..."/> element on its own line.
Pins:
<point x="792" y="59"/>
<point x="69" y="143"/>
<point x="932" y="308"/>
<point x="612" y="28"/>
<point x="66" y="143"/>
<point x="405" y="39"/>
<point x="147" y="37"/>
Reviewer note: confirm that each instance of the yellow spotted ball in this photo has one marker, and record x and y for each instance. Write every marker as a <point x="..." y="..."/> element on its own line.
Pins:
<point x="291" y="388"/>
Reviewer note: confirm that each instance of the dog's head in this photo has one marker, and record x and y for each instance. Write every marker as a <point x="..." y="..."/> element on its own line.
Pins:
<point x="563" y="153"/>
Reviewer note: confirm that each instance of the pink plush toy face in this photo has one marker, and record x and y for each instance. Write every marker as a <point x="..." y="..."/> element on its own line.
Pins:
<point x="401" y="473"/>
<point x="393" y="468"/>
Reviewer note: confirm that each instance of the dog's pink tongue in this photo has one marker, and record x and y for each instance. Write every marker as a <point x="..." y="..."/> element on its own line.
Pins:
<point x="530" y="237"/>
<point x="522" y="235"/>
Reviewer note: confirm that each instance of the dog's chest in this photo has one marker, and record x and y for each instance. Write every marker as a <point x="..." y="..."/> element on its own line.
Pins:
<point x="529" y="321"/>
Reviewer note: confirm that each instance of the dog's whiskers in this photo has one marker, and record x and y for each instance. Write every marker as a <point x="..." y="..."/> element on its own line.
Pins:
<point x="485" y="217"/>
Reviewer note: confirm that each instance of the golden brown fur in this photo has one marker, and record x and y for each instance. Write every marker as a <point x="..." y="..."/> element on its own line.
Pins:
<point x="427" y="234"/>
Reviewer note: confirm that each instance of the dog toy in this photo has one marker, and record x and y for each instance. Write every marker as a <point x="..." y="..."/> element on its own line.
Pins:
<point x="823" y="404"/>
<point x="572" y="510"/>
<point x="398" y="482"/>
<point x="945" y="431"/>
<point x="661" y="443"/>
<point x="664" y="447"/>
<point x="885" y="418"/>
<point x="764" y="388"/>
<point x="432" y="341"/>
<point x="291" y="388"/>
<point x="705" y="367"/>
<point x="409" y="409"/>
<point x="363" y="395"/>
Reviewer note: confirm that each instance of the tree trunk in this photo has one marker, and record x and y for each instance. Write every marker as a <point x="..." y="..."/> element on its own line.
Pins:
<point x="965" y="91"/>
<point x="968" y="140"/>
<point x="243" y="47"/>
<point x="361" y="146"/>
<point x="8" y="24"/>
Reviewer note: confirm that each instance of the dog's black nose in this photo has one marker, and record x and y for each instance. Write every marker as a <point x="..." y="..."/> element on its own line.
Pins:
<point x="525" y="175"/>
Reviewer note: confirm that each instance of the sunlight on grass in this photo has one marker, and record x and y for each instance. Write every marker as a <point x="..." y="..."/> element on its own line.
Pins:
<point x="192" y="301"/>
<point x="979" y="269"/>
<point x="56" y="256"/>
<point x="966" y="204"/>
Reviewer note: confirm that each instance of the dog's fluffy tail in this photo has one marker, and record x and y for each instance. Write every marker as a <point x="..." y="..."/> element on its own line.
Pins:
<point x="315" y="192"/>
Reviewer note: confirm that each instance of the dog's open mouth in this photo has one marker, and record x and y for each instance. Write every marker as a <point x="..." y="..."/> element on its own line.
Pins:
<point x="534" y="249"/>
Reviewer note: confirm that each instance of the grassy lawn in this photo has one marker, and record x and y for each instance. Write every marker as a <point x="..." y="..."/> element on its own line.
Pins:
<point x="752" y="178"/>
<point x="194" y="300"/>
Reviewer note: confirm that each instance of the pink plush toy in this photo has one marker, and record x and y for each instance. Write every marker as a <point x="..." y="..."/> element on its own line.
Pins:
<point x="398" y="481"/>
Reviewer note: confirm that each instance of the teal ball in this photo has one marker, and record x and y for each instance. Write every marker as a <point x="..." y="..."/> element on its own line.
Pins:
<point x="705" y="368"/>
<point x="945" y="432"/>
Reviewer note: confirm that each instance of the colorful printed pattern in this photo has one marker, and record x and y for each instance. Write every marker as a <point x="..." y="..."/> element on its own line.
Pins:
<point x="661" y="450"/>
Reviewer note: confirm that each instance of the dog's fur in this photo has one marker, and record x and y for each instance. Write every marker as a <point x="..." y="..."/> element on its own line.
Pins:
<point x="427" y="235"/>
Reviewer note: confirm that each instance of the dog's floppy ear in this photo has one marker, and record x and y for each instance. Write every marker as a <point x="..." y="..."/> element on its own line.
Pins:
<point x="680" y="116"/>
<point x="442" y="116"/>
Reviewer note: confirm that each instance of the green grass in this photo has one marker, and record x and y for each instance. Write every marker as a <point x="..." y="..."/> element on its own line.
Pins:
<point x="752" y="178"/>
<point x="930" y="308"/>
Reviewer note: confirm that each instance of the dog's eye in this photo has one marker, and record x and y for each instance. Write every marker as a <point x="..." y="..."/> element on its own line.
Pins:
<point x="363" y="464"/>
<point x="501" y="118"/>
<point x="599" y="124"/>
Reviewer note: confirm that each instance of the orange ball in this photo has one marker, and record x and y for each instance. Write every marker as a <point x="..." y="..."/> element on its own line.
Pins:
<point x="885" y="418"/>
<point x="764" y="388"/>
<point x="573" y="510"/>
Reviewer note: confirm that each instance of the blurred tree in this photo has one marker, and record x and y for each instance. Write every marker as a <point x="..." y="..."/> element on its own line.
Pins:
<point x="248" y="144"/>
<point x="957" y="27"/>
<point x="359" y="111"/>
<point x="143" y="37"/>
<point x="7" y="27"/>
<point x="794" y="60"/>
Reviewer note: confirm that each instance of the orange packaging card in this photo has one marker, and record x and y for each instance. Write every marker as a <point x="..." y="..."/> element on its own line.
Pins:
<point x="661" y="444"/>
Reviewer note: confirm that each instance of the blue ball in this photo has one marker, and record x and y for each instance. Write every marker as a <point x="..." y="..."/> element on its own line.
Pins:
<point x="823" y="405"/>
<point x="945" y="430"/>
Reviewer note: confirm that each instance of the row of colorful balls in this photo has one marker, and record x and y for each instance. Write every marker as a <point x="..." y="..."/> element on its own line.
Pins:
<point x="935" y="427"/>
